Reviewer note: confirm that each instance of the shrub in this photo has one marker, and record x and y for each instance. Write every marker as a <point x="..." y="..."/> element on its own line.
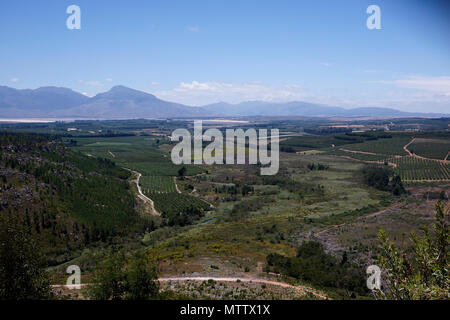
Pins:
<point x="22" y="273"/>
<point x="422" y="274"/>
<point x="118" y="278"/>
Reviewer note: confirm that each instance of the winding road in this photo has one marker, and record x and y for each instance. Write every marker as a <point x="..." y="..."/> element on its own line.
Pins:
<point x="248" y="280"/>
<point x="301" y="289"/>
<point x="142" y="196"/>
<point x="412" y="154"/>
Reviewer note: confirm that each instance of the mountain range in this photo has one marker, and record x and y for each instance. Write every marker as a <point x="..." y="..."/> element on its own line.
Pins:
<point x="125" y="103"/>
<point x="118" y="103"/>
<point x="305" y="109"/>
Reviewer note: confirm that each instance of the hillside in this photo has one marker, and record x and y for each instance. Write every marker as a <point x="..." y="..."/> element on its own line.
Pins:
<point x="67" y="200"/>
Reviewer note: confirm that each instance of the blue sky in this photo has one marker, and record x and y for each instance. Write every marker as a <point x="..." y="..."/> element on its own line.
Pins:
<point x="199" y="52"/>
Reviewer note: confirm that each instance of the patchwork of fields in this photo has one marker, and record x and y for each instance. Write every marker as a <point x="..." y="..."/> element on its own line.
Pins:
<point x="142" y="154"/>
<point x="275" y="214"/>
<point x="414" y="159"/>
<point x="416" y="169"/>
<point x="226" y="220"/>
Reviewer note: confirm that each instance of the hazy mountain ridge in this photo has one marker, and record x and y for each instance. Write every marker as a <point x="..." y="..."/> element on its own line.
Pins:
<point x="121" y="102"/>
<point x="118" y="103"/>
<point x="307" y="109"/>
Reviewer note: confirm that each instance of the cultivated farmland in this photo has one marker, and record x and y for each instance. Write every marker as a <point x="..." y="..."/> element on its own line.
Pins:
<point x="413" y="168"/>
<point x="430" y="148"/>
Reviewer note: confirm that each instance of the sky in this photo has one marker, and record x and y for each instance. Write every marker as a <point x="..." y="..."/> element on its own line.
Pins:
<point x="201" y="52"/>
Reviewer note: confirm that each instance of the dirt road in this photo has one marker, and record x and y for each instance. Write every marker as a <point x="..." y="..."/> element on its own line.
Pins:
<point x="253" y="280"/>
<point x="394" y="206"/>
<point x="361" y="152"/>
<point x="142" y="196"/>
<point x="405" y="147"/>
<point x="301" y="289"/>
<point x="176" y="186"/>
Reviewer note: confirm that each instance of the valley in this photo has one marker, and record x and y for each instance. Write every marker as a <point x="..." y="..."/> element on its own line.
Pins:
<point x="224" y="228"/>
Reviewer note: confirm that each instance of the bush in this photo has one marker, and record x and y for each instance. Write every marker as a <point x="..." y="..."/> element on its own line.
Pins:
<point x="422" y="274"/>
<point x="383" y="179"/>
<point x="312" y="264"/>
<point x="22" y="273"/>
<point x="118" y="278"/>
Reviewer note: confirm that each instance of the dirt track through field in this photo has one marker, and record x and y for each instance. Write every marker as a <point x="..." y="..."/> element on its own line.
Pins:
<point x="252" y="280"/>
<point x="176" y="186"/>
<point x="395" y="206"/>
<point x="362" y="152"/>
<point x="405" y="147"/>
<point x="301" y="289"/>
<point x="368" y="161"/>
<point x="142" y="196"/>
<point x="411" y="154"/>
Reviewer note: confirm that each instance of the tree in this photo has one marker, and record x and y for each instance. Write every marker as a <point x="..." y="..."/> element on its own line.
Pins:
<point x="118" y="278"/>
<point x="380" y="178"/>
<point x="377" y="177"/>
<point x="141" y="279"/>
<point x="109" y="278"/>
<point x="22" y="273"/>
<point x="312" y="264"/>
<point x="182" y="172"/>
<point x="422" y="274"/>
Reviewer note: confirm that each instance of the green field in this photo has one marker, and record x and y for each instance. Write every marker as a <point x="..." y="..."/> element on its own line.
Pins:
<point x="143" y="154"/>
<point x="357" y="156"/>
<point x="413" y="168"/>
<point x="139" y="153"/>
<point x="430" y="148"/>
<point x="390" y="146"/>
<point x="161" y="184"/>
<point x="174" y="203"/>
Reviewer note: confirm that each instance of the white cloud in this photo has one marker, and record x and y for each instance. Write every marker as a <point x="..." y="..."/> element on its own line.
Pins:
<point x="325" y="64"/>
<point x="15" y="80"/>
<point x="193" y="28"/>
<point x="201" y="93"/>
<point x="109" y="79"/>
<point x="438" y="85"/>
<point x="419" y="94"/>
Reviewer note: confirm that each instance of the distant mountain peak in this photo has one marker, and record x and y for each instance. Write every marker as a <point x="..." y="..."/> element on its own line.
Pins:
<point x="121" y="88"/>
<point x="122" y="92"/>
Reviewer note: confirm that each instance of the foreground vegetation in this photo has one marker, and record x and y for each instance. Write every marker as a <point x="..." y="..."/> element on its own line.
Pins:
<point x="422" y="273"/>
